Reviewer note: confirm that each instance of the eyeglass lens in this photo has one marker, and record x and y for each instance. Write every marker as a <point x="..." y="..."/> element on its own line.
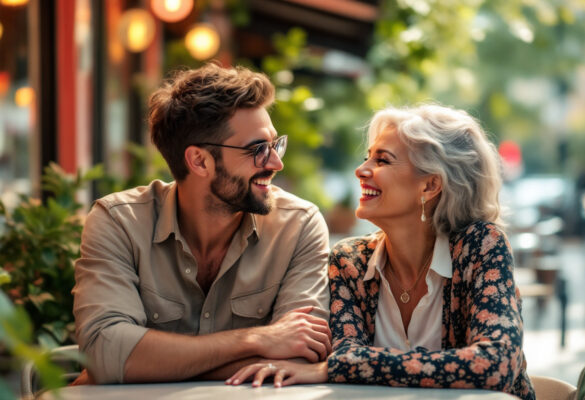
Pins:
<point x="263" y="152"/>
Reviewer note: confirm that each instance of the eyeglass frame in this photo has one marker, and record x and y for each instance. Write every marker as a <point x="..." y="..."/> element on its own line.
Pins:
<point x="254" y="150"/>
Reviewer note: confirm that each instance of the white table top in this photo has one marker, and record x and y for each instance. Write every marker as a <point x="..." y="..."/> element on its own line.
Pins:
<point x="219" y="391"/>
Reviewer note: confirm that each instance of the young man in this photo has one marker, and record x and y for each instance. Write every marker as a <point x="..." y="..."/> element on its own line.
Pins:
<point x="201" y="276"/>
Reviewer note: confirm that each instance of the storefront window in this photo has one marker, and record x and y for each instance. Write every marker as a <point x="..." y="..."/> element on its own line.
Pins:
<point x="17" y="102"/>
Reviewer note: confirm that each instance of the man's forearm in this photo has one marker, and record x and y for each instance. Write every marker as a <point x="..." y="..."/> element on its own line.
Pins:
<point x="162" y="356"/>
<point x="228" y="370"/>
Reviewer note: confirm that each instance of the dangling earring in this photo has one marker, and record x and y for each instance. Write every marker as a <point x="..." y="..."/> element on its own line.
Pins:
<point x="423" y="217"/>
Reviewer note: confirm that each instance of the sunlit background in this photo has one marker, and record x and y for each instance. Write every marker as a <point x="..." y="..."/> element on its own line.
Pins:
<point x="75" y="76"/>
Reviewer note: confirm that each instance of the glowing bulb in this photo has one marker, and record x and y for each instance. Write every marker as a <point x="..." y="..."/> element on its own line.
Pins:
<point x="171" y="10"/>
<point x="172" y="5"/>
<point x="202" y="41"/>
<point x="136" y="32"/>
<point x="24" y="96"/>
<point x="1" y="30"/>
<point x="14" y="3"/>
<point x="136" y="29"/>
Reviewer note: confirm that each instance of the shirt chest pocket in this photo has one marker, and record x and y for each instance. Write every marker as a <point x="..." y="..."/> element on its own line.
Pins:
<point x="161" y="313"/>
<point x="253" y="309"/>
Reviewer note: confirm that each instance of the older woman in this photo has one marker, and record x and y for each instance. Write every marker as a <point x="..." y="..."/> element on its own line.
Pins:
<point x="430" y="299"/>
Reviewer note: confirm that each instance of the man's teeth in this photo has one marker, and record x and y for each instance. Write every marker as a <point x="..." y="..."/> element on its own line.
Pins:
<point x="263" y="182"/>
<point x="370" y="192"/>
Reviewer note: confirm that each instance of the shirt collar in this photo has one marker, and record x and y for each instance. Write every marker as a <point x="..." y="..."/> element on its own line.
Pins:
<point x="440" y="263"/>
<point x="378" y="258"/>
<point x="168" y="223"/>
<point x="167" y="218"/>
<point x="250" y="227"/>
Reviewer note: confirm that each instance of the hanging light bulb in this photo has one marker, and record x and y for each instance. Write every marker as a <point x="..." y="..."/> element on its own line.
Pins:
<point x="14" y="3"/>
<point x="171" y="10"/>
<point x="1" y="30"/>
<point x="136" y="29"/>
<point x="202" y="41"/>
<point x="24" y="96"/>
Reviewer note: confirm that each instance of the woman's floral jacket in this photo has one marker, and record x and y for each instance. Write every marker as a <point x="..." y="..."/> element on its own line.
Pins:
<point x="482" y="325"/>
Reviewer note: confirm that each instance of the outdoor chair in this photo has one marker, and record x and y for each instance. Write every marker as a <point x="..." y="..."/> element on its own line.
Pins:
<point x="581" y="386"/>
<point x="65" y="357"/>
<point x="544" y="282"/>
<point x="547" y="388"/>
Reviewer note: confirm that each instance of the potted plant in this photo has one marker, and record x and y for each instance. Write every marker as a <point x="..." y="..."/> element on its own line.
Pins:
<point x="39" y="243"/>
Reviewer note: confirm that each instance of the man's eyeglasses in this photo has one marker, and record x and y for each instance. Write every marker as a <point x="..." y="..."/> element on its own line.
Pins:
<point x="261" y="151"/>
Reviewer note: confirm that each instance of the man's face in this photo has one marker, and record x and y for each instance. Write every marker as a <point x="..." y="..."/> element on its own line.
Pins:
<point x="238" y="184"/>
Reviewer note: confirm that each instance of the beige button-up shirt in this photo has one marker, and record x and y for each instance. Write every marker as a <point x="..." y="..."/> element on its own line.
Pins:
<point x="136" y="272"/>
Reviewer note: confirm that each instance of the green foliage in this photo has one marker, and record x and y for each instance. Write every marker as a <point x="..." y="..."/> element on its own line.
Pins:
<point x="483" y="56"/>
<point x="465" y="53"/>
<point x="292" y="115"/>
<point x="38" y="246"/>
<point x="145" y="165"/>
<point x="177" y="56"/>
<point x="238" y="10"/>
<point x="16" y="337"/>
<point x="519" y="76"/>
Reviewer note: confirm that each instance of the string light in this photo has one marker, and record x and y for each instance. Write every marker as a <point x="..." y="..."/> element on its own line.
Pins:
<point x="13" y="3"/>
<point x="136" y="30"/>
<point x="24" y="96"/>
<point x="202" y="41"/>
<point x="171" y="10"/>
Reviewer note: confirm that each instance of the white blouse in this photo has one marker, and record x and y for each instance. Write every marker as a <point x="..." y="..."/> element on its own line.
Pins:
<point x="425" y="328"/>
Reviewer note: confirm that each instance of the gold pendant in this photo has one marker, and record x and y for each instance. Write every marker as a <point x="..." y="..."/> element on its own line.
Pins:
<point x="404" y="297"/>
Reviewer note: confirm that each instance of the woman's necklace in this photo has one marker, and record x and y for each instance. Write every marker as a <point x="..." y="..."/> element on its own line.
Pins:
<point x="405" y="296"/>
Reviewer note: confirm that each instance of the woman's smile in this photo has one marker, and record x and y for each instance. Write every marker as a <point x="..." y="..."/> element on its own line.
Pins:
<point x="369" y="192"/>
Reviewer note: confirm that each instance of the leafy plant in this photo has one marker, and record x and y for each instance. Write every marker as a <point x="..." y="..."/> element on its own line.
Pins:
<point x="38" y="244"/>
<point x="145" y="165"/>
<point x="16" y="337"/>
<point x="294" y="114"/>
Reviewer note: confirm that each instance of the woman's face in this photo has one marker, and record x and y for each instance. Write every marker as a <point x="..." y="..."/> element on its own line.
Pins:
<point x="391" y="187"/>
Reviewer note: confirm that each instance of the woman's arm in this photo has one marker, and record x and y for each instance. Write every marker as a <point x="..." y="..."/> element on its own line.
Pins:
<point x="340" y="268"/>
<point x="353" y="300"/>
<point x="489" y="355"/>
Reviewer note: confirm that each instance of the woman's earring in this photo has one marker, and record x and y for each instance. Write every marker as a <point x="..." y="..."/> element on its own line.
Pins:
<point x="423" y="217"/>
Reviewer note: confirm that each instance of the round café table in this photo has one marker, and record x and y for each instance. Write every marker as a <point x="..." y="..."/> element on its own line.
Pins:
<point x="217" y="390"/>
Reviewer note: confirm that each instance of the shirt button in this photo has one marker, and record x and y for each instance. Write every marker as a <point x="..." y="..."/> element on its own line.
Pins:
<point x="260" y="310"/>
<point x="155" y="316"/>
<point x="206" y="315"/>
<point x="188" y="271"/>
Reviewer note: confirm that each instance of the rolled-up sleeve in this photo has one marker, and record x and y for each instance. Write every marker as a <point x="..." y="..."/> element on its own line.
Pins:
<point x="109" y="314"/>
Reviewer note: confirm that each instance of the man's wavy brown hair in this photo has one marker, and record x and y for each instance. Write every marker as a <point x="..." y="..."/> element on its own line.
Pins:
<point x="195" y="106"/>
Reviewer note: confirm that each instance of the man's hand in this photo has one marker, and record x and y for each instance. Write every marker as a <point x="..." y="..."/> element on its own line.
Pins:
<point x="84" y="378"/>
<point x="296" y="334"/>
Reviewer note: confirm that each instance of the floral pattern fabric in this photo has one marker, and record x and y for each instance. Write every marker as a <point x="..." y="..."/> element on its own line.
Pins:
<point x="481" y="321"/>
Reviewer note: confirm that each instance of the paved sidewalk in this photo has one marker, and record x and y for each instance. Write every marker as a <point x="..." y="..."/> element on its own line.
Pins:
<point x="545" y="357"/>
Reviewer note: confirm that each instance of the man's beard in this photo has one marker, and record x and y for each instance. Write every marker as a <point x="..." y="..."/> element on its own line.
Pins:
<point x="236" y="194"/>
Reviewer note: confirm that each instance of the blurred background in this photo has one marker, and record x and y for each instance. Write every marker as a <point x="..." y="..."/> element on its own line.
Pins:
<point x="75" y="76"/>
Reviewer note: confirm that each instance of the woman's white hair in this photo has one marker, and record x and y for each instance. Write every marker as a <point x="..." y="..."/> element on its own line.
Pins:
<point x="449" y="143"/>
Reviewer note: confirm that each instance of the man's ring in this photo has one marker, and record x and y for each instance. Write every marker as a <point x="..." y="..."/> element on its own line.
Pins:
<point x="271" y="366"/>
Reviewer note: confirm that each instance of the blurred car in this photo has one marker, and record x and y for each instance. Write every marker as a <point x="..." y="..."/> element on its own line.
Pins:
<point x="540" y="199"/>
<point x="538" y="210"/>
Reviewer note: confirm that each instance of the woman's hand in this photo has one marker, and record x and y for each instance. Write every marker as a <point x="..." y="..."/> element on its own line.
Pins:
<point x="284" y="372"/>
